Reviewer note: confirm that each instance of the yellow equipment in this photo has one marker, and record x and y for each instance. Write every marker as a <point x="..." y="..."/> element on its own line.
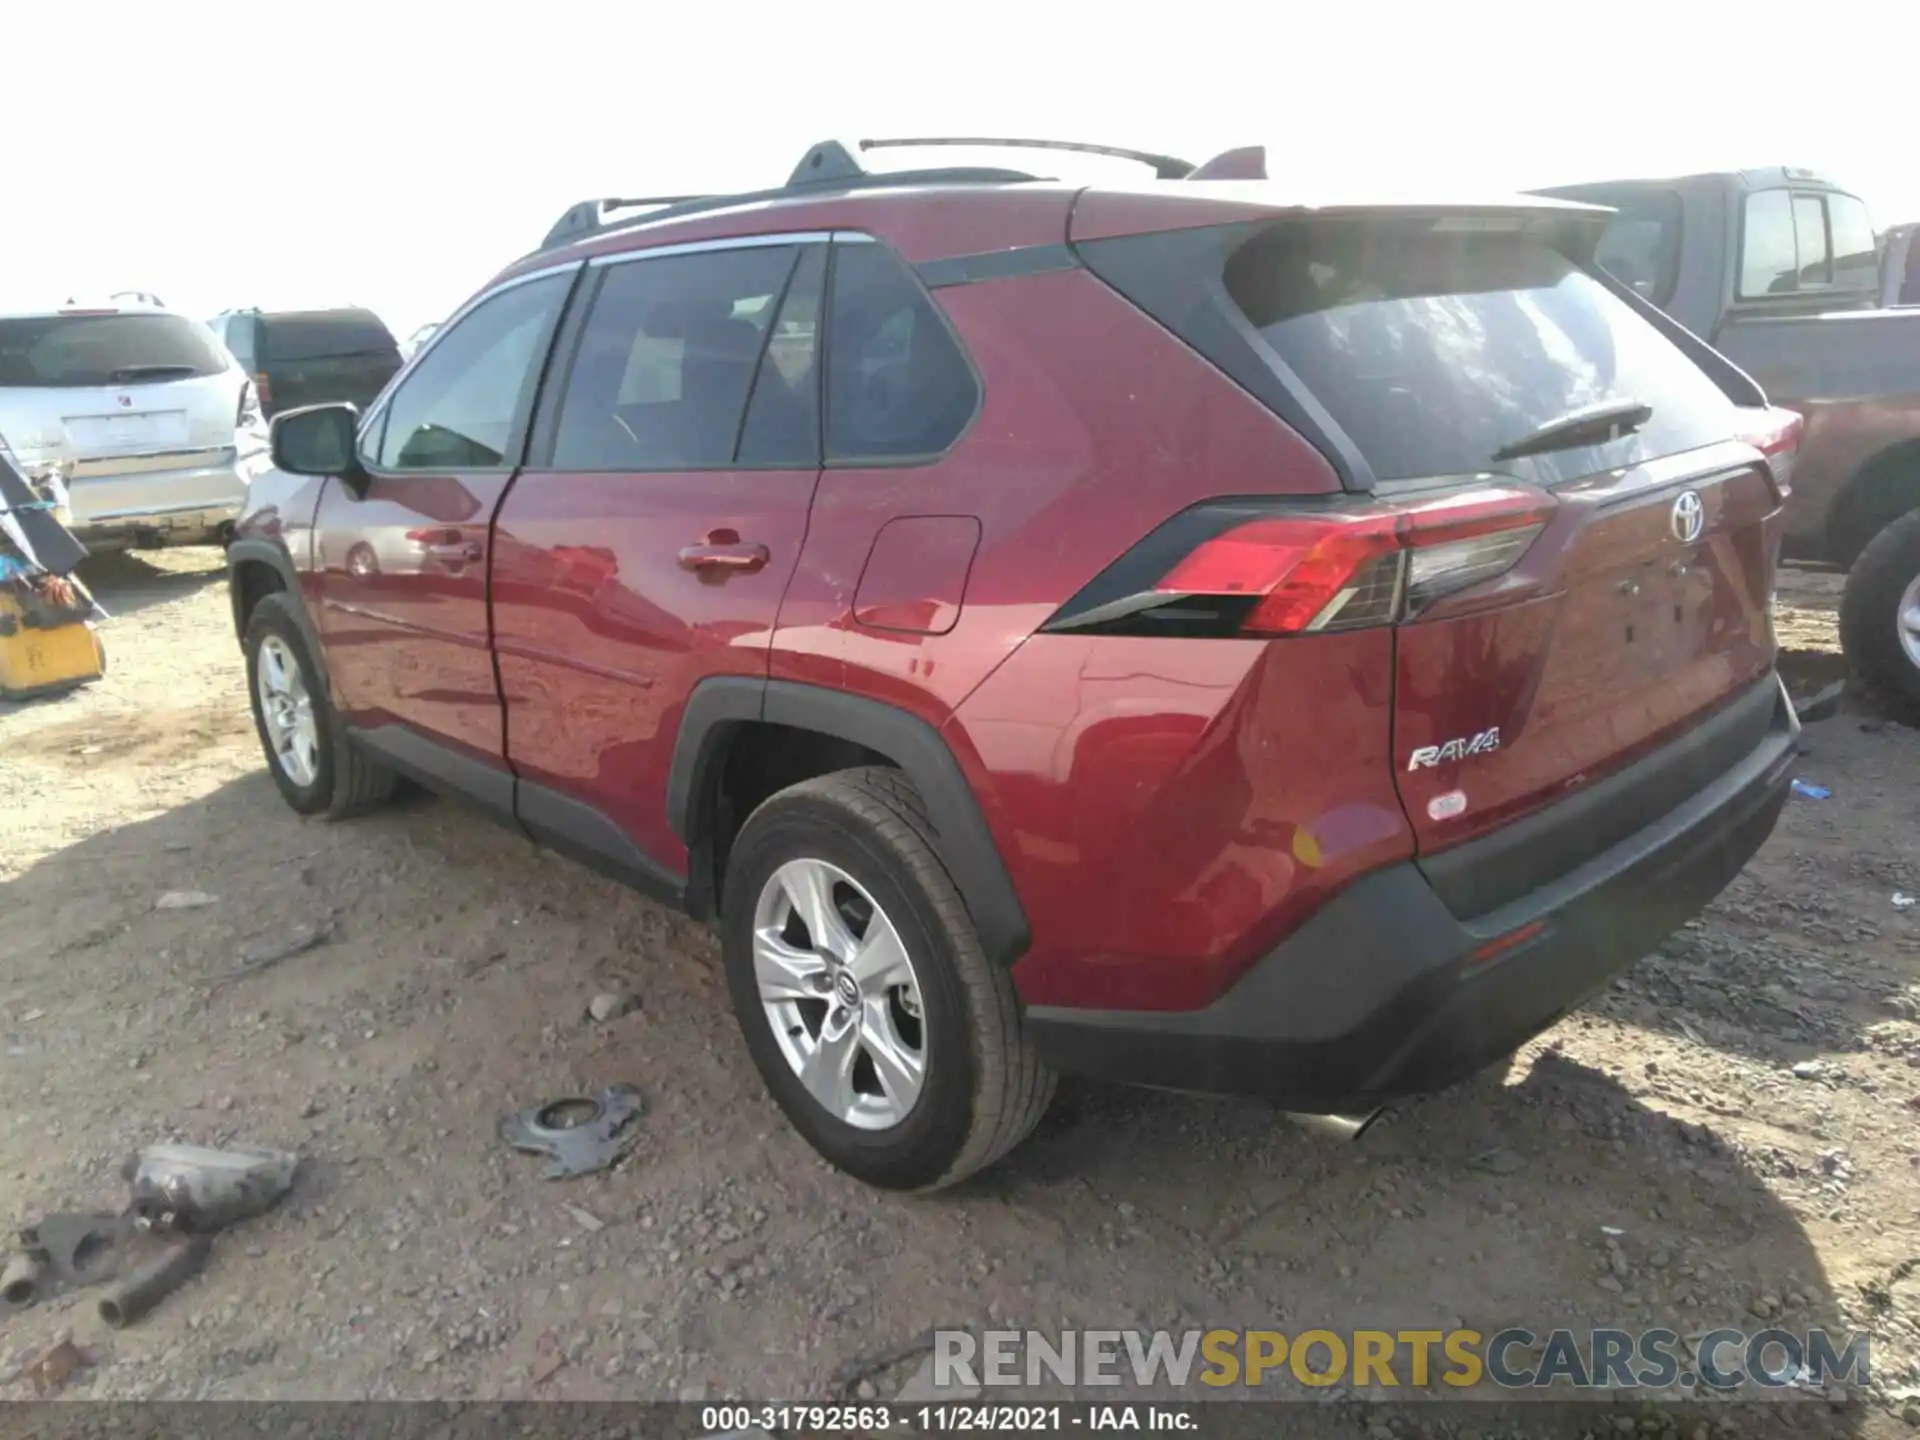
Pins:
<point x="41" y="660"/>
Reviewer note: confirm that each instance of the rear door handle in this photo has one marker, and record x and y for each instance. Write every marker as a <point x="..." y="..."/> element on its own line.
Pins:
<point x="723" y="552"/>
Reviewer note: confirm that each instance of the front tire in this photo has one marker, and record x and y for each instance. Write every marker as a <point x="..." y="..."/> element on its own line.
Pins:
<point x="318" y="769"/>
<point x="881" y="1029"/>
<point x="1880" y="613"/>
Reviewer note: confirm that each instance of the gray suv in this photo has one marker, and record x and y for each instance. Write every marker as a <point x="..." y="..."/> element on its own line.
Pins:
<point x="135" y="421"/>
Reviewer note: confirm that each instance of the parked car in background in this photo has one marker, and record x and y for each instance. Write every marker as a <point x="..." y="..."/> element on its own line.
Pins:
<point x="310" y="357"/>
<point x="1779" y="270"/>
<point x="1196" y="634"/>
<point x="152" y="428"/>
<point x="1900" y="265"/>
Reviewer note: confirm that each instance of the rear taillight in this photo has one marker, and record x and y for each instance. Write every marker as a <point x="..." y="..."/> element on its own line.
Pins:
<point x="1253" y="568"/>
<point x="248" y="417"/>
<point x="264" y="390"/>
<point x="1775" y="432"/>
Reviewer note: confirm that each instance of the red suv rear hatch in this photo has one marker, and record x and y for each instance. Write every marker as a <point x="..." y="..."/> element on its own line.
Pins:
<point x="1580" y="557"/>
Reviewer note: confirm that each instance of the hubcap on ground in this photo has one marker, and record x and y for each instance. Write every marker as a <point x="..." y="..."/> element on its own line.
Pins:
<point x="287" y="709"/>
<point x="840" y="993"/>
<point x="1908" y="619"/>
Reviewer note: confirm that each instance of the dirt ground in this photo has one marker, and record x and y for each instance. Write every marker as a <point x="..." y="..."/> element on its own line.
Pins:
<point x="1744" y="1108"/>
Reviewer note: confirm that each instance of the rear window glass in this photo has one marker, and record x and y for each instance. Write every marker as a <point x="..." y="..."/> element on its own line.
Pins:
<point x="1641" y="246"/>
<point x="323" y="334"/>
<point x="82" y="350"/>
<point x="1435" y="346"/>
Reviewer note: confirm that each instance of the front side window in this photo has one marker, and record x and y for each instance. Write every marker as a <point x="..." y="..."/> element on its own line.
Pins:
<point x="461" y="407"/>
<point x="667" y="360"/>
<point x="898" y="385"/>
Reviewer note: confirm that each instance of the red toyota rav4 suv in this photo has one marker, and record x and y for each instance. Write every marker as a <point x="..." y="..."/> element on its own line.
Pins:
<point x="1180" y="634"/>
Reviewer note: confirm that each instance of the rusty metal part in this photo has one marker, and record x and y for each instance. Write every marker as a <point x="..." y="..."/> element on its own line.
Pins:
<point x="196" y="1191"/>
<point x="76" y="1248"/>
<point x="159" y="1272"/>
<point x="579" y="1134"/>
<point x="20" y="1280"/>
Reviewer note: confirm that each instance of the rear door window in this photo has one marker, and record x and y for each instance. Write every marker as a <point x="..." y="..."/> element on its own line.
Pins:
<point x="239" y="338"/>
<point x="782" y="428"/>
<point x="1433" y="346"/>
<point x="898" y="385"/>
<point x="667" y="358"/>
<point x="1856" y="256"/>
<point x="54" y="351"/>
<point x="1769" y="254"/>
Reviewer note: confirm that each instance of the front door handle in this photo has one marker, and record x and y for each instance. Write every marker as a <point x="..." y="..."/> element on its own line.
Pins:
<point x="722" y="553"/>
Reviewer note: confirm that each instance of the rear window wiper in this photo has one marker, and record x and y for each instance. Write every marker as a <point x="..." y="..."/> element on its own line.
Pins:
<point x="1609" y="420"/>
<point x="127" y="374"/>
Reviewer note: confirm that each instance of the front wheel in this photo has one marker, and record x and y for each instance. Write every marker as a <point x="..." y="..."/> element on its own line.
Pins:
<point x="1880" y="613"/>
<point x="317" y="768"/>
<point x="881" y="1029"/>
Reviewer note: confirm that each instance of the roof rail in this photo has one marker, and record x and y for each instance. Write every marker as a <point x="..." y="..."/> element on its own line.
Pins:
<point x="826" y="167"/>
<point x="1165" y="167"/>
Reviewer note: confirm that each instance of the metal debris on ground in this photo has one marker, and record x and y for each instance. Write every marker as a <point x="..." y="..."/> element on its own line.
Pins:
<point x="196" y="1190"/>
<point x="265" y="954"/>
<point x="55" y="1365"/>
<point x="579" y="1135"/>
<point x="1807" y="791"/>
<point x="185" y="900"/>
<point x="548" y="1358"/>
<point x="157" y="1271"/>
<point x="585" y="1219"/>
<point x="63" y="1251"/>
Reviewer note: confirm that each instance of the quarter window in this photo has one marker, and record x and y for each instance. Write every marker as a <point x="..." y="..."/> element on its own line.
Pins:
<point x="898" y="385"/>
<point x="462" y="406"/>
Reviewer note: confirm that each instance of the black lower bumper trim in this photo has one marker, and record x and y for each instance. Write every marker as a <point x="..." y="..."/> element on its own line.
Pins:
<point x="1381" y="994"/>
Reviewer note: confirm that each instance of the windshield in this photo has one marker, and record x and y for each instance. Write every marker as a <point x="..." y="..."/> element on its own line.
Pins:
<point x="46" y="351"/>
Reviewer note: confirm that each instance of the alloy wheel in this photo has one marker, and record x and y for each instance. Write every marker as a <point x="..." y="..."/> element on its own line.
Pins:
<point x="287" y="709"/>
<point x="840" y="994"/>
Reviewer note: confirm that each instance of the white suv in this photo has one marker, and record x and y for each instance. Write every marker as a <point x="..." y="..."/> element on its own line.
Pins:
<point x="141" y="415"/>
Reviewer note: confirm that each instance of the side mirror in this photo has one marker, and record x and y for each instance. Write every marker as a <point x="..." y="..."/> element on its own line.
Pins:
<point x="320" y="440"/>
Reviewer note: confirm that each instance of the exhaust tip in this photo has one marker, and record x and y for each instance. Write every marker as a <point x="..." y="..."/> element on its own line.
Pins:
<point x="1340" y="1127"/>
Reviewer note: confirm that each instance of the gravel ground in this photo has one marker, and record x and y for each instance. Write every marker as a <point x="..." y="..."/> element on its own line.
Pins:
<point x="1743" y="1109"/>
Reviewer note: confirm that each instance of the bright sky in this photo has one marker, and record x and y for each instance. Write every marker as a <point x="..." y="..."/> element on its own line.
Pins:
<point x="288" y="153"/>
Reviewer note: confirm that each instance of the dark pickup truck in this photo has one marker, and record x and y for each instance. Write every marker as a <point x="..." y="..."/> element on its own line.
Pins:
<point x="1778" y="269"/>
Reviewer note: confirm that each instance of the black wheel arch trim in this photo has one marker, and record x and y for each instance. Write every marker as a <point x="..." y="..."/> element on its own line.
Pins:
<point x="720" y="705"/>
<point x="244" y="552"/>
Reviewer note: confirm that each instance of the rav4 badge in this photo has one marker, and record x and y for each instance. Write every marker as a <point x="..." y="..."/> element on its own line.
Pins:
<point x="1428" y="756"/>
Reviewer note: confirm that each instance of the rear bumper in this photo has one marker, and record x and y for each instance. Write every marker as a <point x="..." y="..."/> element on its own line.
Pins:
<point x="1385" y="992"/>
<point x="152" y="506"/>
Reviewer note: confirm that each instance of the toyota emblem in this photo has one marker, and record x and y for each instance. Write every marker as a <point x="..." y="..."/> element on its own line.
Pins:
<point x="1689" y="517"/>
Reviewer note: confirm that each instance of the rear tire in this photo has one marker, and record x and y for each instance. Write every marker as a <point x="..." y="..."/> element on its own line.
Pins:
<point x="314" y="763"/>
<point x="1880" y="614"/>
<point x="971" y="1086"/>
